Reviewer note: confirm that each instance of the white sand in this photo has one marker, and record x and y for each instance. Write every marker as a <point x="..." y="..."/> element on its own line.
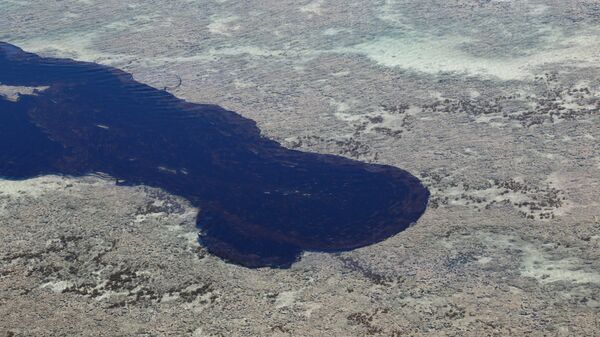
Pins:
<point x="436" y="54"/>
<point x="12" y="93"/>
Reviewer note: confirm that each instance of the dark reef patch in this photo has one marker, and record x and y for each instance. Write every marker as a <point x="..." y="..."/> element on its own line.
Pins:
<point x="261" y="204"/>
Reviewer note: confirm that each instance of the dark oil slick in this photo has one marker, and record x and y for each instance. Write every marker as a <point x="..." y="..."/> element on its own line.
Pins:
<point x="261" y="204"/>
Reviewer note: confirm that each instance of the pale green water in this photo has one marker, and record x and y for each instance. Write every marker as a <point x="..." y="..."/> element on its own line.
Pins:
<point x="505" y="39"/>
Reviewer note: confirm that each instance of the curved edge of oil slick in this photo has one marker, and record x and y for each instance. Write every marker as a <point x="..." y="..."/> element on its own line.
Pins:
<point x="261" y="204"/>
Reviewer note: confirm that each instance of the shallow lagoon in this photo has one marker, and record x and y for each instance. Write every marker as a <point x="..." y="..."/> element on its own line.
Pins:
<point x="261" y="204"/>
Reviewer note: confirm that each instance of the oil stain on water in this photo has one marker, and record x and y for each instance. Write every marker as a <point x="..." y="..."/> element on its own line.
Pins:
<point x="261" y="205"/>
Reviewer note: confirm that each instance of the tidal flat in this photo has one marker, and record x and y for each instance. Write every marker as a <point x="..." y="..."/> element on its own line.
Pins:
<point x="492" y="105"/>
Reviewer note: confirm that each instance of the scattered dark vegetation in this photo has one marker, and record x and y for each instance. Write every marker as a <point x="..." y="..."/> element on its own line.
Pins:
<point x="541" y="203"/>
<point x="366" y="320"/>
<point x="350" y="147"/>
<point x="548" y="104"/>
<point x="372" y="276"/>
